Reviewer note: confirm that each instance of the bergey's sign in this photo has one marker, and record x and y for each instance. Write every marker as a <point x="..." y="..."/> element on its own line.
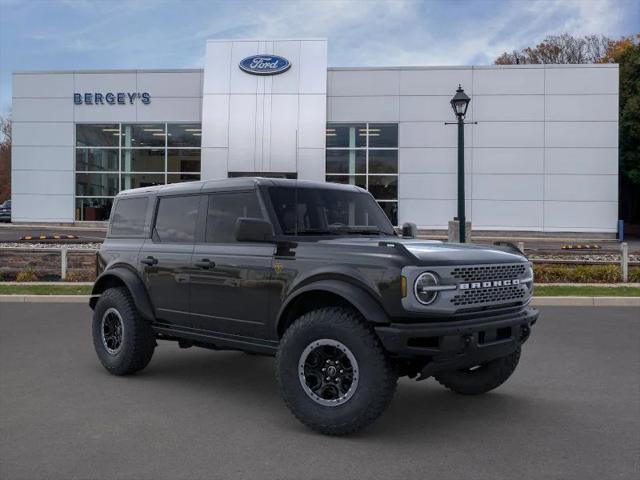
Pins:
<point x="110" y="98"/>
<point x="265" y="64"/>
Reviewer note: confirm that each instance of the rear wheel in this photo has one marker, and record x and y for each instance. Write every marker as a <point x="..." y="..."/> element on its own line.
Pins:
<point x="123" y="340"/>
<point x="332" y="372"/>
<point x="480" y="378"/>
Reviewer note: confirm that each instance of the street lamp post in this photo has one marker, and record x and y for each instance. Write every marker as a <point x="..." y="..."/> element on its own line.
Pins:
<point x="460" y="103"/>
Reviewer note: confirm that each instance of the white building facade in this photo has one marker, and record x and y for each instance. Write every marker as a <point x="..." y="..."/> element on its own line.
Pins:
<point x="543" y="155"/>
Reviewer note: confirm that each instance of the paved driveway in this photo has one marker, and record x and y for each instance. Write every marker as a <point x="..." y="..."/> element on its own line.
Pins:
<point x="572" y="410"/>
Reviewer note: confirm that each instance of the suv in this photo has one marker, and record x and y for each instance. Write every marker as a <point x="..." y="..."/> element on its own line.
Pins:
<point x="315" y="274"/>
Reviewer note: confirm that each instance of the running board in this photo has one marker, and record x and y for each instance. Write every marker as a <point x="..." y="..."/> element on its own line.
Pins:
<point x="218" y="339"/>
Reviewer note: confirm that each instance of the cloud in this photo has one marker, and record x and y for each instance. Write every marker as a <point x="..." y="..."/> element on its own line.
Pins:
<point x="85" y="34"/>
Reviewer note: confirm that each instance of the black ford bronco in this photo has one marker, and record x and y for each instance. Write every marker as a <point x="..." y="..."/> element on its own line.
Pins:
<point x="315" y="274"/>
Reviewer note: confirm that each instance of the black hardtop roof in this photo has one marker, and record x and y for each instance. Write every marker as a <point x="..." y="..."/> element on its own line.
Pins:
<point x="238" y="183"/>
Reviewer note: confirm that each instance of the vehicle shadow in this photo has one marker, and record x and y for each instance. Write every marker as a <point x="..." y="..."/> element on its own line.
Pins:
<point x="419" y="409"/>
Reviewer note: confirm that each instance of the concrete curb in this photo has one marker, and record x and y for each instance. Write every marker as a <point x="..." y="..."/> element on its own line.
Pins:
<point x="586" y="301"/>
<point x="537" y="301"/>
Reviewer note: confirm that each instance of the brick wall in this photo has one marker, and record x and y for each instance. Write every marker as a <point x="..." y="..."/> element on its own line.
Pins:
<point x="81" y="264"/>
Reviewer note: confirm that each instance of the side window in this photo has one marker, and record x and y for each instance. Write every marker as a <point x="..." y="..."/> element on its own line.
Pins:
<point x="176" y="219"/>
<point x="128" y="217"/>
<point x="224" y="209"/>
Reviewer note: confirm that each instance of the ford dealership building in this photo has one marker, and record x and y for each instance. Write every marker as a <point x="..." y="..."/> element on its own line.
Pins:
<point x="543" y="155"/>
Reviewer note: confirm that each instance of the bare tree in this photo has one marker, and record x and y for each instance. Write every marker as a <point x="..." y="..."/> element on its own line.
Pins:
<point x="5" y="158"/>
<point x="563" y="48"/>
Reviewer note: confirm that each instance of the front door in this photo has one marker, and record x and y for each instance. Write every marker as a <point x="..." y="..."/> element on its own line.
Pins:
<point x="166" y="258"/>
<point x="231" y="281"/>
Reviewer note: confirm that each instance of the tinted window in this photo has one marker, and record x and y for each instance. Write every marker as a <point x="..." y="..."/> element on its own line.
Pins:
<point x="176" y="219"/>
<point x="346" y="135"/>
<point x="104" y="135"/>
<point x="144" y="135"/>
<point x="224" y="209"/>
<point x="128" y="216"/>
<point x="383" y="135"/>
<point x="310" y="211"/>
<point x="184" y="135"/>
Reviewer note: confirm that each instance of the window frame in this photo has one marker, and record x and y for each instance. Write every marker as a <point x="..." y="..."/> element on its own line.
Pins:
<point x="204" y="213"/>
<point x="152" y="230"/>
<point x="149" y="207"/>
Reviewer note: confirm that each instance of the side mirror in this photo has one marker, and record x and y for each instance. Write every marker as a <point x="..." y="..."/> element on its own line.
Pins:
<point x="409" y="230"/>
<point x="253" y="230"/>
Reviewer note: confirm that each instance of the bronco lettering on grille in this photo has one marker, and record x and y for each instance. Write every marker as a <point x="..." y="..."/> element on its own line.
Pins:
<point x="493" y="283"/>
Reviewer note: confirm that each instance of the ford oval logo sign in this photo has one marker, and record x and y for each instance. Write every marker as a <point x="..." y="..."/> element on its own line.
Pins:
<point x="265" y="64"/>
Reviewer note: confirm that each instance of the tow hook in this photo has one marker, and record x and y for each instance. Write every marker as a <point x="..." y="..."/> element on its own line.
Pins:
<point x="467" y="341"/>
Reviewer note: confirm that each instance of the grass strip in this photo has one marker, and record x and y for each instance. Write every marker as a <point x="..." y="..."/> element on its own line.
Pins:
<point x="52" y="289"/>
<point x="542" y="290"/>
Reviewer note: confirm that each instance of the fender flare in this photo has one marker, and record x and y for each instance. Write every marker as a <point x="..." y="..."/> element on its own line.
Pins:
<point x="362" y="300"/>
<point x="133" y="282"/>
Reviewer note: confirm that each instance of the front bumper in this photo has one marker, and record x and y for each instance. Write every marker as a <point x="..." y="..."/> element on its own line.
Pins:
<point x="458" y="344"/>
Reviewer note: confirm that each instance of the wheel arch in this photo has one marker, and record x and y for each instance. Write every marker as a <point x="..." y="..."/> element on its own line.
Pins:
<point x="120" y="276"/>
<point x="329" y="293"/>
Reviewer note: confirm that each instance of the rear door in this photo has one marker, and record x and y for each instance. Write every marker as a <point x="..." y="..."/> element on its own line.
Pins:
<point x="166" y="257"/>
<point x="232" y="281"/>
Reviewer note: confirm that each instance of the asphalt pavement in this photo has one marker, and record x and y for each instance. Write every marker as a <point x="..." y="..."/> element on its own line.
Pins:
<point x="571" y="410"/>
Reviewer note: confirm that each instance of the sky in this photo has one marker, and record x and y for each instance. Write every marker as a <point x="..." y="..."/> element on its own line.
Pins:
<point x="109" y="34"/>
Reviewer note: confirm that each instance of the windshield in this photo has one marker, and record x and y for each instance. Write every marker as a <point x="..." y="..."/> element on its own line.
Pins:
<point x="323" y="211"/>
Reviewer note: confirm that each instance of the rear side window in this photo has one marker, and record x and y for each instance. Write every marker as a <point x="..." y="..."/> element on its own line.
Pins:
<point x="128" y="217"/>
<point x="176" y="219"/>
<point x="224" y="209"/>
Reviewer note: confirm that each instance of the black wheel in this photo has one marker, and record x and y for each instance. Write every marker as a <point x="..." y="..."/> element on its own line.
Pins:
<point x="122" y="339"/>
<point x="333" y="374"/>
<point x="481" y="378"/>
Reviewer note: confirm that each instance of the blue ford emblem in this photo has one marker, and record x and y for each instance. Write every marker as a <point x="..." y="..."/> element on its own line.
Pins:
<point x="265" y="64"/>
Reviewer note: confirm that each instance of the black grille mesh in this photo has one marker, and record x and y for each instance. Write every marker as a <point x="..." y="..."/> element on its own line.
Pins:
<point x="490" y="272"/>
<point x="511" y="293"/>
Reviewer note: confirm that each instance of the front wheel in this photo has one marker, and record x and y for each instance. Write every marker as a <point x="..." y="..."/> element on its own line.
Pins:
<point x="480" y="378"/>
<point x="332" y="372"/>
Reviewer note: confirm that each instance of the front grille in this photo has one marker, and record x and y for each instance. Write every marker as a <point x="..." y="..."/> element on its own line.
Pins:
<point x="511" y="293"/>
<point x="489" y="272"/>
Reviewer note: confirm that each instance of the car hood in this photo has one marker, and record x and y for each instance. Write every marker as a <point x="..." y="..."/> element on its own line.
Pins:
<point x="434" y="252"/>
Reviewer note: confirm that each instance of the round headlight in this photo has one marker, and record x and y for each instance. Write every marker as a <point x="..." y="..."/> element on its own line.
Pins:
<point x="423" y="288"/>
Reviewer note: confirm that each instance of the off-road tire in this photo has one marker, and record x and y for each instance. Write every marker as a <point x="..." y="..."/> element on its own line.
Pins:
<point x="138" y="340"/>
<point x="481" y="380"/>
<point x="377" y="376"/>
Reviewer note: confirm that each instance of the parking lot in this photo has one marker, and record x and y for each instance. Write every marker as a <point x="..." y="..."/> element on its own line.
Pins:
<point x="572" y="410"/>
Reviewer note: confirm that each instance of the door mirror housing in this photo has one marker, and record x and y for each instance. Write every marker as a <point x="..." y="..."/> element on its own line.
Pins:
<point x="254" y="230"/>
<point x="409" y="230"/>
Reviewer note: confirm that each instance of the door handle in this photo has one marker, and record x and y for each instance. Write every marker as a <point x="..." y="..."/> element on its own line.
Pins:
<point x="205" y="263"/>
<point x="149" y="260"/>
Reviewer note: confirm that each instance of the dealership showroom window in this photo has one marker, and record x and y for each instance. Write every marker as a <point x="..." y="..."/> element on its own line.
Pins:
<point x="114" y="157"/>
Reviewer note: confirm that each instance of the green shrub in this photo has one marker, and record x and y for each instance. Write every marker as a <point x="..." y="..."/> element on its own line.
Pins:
<point x="28" y="275"/>
<point x="79" y="276"/>
<point x="634" y="274"/>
